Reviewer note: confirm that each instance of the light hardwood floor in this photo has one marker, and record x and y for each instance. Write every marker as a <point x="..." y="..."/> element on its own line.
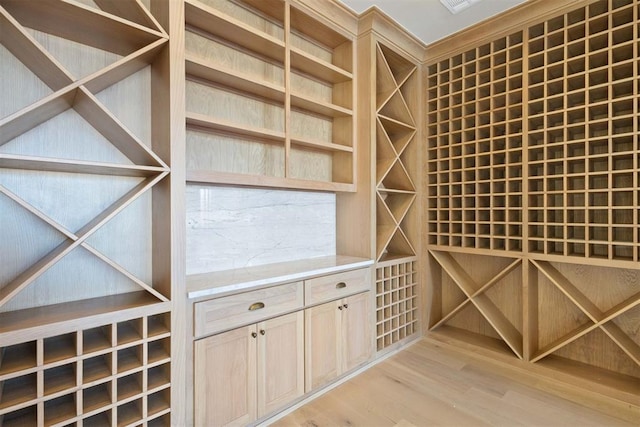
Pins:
<point x="426" y="385"/>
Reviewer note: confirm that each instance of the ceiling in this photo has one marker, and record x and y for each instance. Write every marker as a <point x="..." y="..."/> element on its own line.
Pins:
<point x="429" y="20"/>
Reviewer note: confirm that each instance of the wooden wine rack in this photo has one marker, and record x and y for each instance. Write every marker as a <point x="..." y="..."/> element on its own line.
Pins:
<point x="583" y="147"/>
<point x="114" y="372"/>
<point x="85" y="283"/>
<point x="475" y="140"/>
<point x="396" y="83"/>
<point x="396" y="302"/>
<point x="396" y="157"/>
<point x="533" y="196"/>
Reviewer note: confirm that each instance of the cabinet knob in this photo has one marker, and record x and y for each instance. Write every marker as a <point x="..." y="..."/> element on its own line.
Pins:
<point x="346" y="306"/>
<point x="341" y="285"/>
<point x="253" y="334"/>
<point x="256" y="306"/>
<point x="262" y="332"/>
<point x="339" y="307"/>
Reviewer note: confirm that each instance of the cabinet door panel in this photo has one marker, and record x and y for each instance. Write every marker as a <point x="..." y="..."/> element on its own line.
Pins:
<point x="225" y="378"/>
<point x="356" y="327"/>
<point x="322" y="345"/>
<point x="280" y="362"/>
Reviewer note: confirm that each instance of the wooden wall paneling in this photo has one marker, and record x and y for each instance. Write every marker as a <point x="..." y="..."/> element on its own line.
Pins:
<point x="355" y="212"/>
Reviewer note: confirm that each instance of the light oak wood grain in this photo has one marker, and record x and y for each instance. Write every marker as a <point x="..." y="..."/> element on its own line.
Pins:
<point x="429" y="384"/>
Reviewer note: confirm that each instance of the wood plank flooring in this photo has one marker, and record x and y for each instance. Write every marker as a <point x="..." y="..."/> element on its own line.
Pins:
<point x="426" y="385"/>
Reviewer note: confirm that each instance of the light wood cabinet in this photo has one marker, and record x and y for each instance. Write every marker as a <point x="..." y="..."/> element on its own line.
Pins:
<point x="337" y="338"/>
<point x="280" y="362"/>
<point x="225" y="382"/>
<point x="248" y="372"/>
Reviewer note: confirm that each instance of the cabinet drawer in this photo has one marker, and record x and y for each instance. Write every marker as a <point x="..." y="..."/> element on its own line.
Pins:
<point x="249" y="307"/>
<point x="334" y="286"/>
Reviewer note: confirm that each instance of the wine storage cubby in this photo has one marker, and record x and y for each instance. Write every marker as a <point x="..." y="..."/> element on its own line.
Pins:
<point x="582" y="145"/>
<point x="533" y="195"/>
<point x="475" y="147"/>
<point x="577" y="315"/>
<point x="479" y="299"/>
<point x="116" y="371"/>
<point x="85" y="283"/>
<point x="397" y="314"/>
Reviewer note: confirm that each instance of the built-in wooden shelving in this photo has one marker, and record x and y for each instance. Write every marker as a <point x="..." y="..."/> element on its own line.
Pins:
<point x="396" y="156"/>
<point x="533" y="194"/>
<point x="475" y="140"/>
<point x="282" y="80"/>
<point x="397" y="306"/>
<point x="82" y="175"/>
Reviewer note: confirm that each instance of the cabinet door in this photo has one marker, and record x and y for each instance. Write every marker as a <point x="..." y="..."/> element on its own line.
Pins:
<point x="280" y="362"/>
<point x="225" y="378"/>
<point x="322" y="347"/>
<point x="356" y="329"/>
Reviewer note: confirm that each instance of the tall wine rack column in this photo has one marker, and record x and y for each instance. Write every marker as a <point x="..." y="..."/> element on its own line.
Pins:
<point x="475" y="193"/>
<point x="396" y="156"/>
<point x="533" y="236"/>
<point x="85" y="277"/>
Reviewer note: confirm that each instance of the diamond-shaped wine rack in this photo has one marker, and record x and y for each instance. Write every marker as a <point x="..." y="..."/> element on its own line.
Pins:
<point x="395" y="130"/>
<point x="84" y="330"/>
<point x="133" y="47"/>
<point x="483" y="291"/>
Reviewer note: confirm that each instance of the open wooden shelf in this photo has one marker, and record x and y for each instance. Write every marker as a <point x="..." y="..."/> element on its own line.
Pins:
<point x="223" y="26"/>
<point x="84" y="160"/>
<point x="212" y="72"/>
<point x="290" y="73"/>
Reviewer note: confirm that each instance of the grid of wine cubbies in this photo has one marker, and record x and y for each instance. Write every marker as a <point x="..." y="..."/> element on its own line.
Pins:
<point x="583" y="186"/>
<point x="583" y="124"/>
<point x="475" y="143"/>
<point x="113" y="374"/>
<point x="396" y="302"/>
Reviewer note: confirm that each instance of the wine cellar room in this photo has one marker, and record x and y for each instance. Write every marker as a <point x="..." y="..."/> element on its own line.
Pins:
<point x="233" y="212"/>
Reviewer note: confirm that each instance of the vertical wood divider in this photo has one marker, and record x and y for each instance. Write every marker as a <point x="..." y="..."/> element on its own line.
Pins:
<point x="287" y="89"/>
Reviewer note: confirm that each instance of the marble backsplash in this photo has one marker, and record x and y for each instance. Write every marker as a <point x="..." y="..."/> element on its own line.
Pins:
<point x="232" y="227"/>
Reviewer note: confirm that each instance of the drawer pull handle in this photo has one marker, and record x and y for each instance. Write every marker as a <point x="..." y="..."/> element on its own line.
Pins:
<point x="341" y="285"/>
<point x="256" y="306"/>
